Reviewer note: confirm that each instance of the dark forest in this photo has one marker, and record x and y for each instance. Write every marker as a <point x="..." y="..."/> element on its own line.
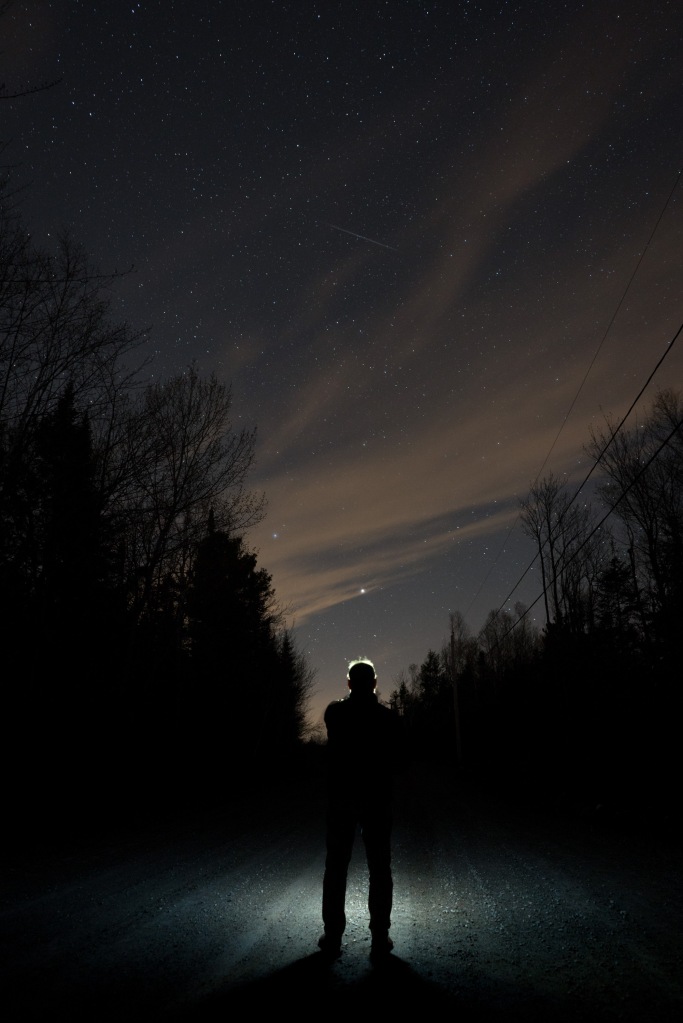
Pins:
<point x="584" y="711"/>
<point x="145" y="657"/>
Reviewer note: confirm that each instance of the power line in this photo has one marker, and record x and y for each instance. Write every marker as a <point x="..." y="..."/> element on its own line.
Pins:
<point x="612" y="437"/>
<point x="641" y="472"/>
<point x="573" y="403"/>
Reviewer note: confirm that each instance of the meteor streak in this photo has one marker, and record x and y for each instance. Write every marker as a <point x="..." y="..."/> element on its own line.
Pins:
<point x="363" y="237"/>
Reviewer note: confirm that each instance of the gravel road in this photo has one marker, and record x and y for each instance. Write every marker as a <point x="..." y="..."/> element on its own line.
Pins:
<point x="501" y="912"/>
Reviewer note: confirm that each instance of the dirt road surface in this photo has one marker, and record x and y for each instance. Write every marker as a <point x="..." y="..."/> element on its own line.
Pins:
<point x="501" y="912"/>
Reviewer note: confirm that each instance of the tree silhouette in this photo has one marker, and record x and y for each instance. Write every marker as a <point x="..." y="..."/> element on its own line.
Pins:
<point x="143" y="638"/>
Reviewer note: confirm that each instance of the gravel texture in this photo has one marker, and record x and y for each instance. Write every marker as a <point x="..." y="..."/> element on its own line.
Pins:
<point x="501" y="911"/>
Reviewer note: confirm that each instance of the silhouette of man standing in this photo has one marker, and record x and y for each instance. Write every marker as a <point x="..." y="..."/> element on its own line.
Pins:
<point x="362" y="749"/>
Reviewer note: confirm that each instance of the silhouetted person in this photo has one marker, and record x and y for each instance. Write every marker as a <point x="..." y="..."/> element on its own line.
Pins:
<point x="363" y="746"/>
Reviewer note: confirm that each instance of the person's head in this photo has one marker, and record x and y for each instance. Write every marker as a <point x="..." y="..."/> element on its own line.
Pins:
<point x="362" y="677"/>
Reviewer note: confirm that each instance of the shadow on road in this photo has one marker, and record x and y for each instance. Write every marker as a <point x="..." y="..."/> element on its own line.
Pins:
<point x="386" y="987"/>
<point x="315" y="980"/>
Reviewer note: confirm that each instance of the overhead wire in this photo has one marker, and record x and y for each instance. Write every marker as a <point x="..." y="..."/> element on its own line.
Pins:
<point x="612" y="437"/>
<point x="641" y="472"/>
<point x="573" y="403"/>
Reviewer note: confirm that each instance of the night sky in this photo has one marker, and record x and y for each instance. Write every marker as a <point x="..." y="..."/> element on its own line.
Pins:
<point x="428" y="244"/>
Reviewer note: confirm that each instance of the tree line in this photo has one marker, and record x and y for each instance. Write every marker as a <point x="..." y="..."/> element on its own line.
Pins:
<point x="586" y="707"/>
<point x="144" y="647"/>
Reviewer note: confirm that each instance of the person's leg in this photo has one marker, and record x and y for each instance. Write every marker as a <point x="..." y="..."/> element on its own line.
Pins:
<point x="341" y="828"/>
<point x="376" y="831"/>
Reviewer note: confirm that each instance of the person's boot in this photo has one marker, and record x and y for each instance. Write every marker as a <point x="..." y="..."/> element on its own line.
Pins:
<point x="330" y="945"/>
<point x="381" y="944"/>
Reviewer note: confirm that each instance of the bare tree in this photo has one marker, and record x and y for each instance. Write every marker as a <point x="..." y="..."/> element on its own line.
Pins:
<point x="166" y="455"/>
<point x="568" y="550"/>
<point x="55" y="330"/>
<point x="173" y="461"/>
<point x="643" y="470"/>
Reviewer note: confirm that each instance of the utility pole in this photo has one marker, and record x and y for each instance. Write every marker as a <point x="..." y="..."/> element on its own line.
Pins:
<point x="456" y="700"/>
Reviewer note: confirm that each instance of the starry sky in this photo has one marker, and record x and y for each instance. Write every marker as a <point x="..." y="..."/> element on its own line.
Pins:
<point x="429" y="245"/>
